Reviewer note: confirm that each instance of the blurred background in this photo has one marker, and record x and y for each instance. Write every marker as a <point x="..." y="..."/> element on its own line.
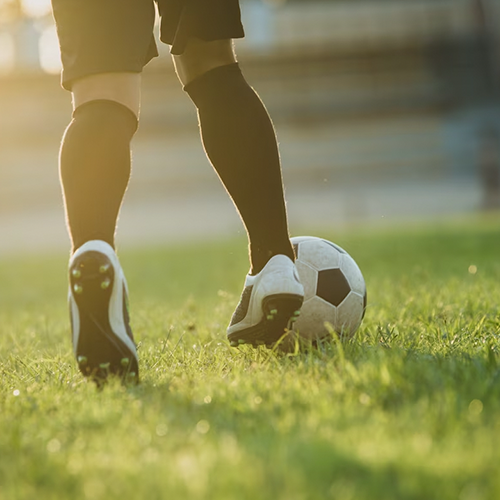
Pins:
<point x="385" y="110"/>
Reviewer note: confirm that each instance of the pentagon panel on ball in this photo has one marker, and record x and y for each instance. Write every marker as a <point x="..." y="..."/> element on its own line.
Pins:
<point x="335" y="290"/>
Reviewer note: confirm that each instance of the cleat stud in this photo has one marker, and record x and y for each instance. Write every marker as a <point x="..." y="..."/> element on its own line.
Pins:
<point x="104" y="366"/>
<point x="78" y="289"/>
<point x="270" y="317"/>
<point x="125" y="362"/>
<point x="274" y="311"/>
<point x="82" y="360"/>
<point x="242" y="341"/>
<point x="104" y="268"/>
<point x="105" y="284"/>
<point x="76" y="273"/>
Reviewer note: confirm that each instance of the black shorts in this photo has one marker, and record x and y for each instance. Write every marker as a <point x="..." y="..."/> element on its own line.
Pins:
<point x="103" y="36"/>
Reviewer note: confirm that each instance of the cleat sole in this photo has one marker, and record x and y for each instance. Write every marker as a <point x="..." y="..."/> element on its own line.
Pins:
<point x="280" y="312"/>
<point x="103" y="351"/>
<point x="104" y="268"/>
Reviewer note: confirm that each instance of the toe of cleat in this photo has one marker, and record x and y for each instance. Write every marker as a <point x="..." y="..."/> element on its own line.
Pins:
<point x="82" y="360"/>
<point x="131" y="378"/>
<point x="101" y="372"/>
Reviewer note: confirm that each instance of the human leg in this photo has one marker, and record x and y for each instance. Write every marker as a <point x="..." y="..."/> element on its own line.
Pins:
<point x="95" y="154"/>
<point x="102" y="63"/>
<point x="104" y="46"/>
<point x="240" y="142"/>
<point x="94" y="172"/>
<point x="237" y="132"/>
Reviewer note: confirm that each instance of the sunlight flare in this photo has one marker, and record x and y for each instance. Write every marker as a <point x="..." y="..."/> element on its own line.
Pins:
<point x="50" y="59"/>
<point x="36" y="8"/>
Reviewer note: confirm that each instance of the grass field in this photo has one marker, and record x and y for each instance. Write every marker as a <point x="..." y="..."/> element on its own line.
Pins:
<point x="409" y="409"/>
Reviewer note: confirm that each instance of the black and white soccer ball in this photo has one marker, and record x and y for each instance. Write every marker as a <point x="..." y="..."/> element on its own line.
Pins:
<point x="334" y="289"/>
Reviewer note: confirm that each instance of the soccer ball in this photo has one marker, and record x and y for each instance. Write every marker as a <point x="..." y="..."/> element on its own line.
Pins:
<point x="334" y="289"/>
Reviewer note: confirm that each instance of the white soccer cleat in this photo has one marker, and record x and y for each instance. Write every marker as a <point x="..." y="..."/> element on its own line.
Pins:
<point x="269" y="304"/>
<point x="102" y="339"/>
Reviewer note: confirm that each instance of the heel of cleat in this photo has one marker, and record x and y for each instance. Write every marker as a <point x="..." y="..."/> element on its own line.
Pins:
<point x="87" y="273"/>
<point x="104" y="268"/>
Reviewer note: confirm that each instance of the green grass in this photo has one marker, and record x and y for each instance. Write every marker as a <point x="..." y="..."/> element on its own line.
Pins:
<point x="408" y="409"/>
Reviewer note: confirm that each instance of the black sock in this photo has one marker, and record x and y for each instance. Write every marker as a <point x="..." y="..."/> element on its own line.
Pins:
<point x="95" y="169"/>
<point x="240" y="141"/>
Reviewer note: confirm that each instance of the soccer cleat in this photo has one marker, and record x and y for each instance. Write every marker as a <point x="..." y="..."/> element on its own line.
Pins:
<point x="269" y="304"/>
<point x="102" y="339"/>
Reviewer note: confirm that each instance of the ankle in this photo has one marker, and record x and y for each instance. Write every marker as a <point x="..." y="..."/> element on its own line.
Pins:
<point x="260" y="257"/>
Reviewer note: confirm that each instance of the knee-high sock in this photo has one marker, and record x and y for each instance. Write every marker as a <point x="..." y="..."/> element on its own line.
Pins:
<point x="95" y="169"/>
<point x="240" y="141"/>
